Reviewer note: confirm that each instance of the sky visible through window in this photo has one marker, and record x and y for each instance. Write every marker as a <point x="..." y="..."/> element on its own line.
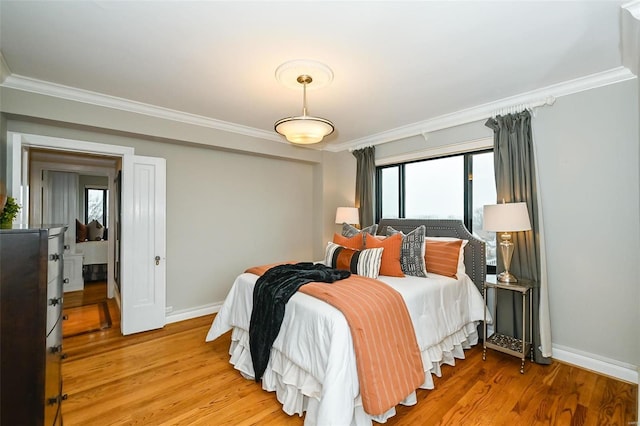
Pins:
<point x="96" y="205"/>
<point x="434" y="189"/>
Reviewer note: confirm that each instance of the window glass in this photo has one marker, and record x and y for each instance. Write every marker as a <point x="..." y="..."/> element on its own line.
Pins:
<point x="484" y="192"/>
<point x="440" y="188"/>
<point x="390" y="178"/>
<point x="435" y="189"/>
<point x="96" y="205"/>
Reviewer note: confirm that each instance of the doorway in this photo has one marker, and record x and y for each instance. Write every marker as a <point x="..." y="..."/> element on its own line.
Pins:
<point x="140" y="230"/>
<point x="80" y="190"/>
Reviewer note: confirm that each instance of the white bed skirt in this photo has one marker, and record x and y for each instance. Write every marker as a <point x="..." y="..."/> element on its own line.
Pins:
<point x="300" y="392"/>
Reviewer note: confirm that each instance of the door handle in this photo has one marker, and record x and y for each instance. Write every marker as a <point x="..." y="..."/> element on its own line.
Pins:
<point x="157" y="260"/>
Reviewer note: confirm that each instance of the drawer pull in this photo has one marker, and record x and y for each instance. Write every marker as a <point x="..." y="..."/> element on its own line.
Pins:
<point x="57" y="399"/>
<point x="55" y="257"/>
<point x="66" y="281"/>
<point x="55" y="301"/>
<point x="65" y="317"/>
<point x="64" y="356"/>
<point x="67" y="246"/>
<point x="55" y="349"/>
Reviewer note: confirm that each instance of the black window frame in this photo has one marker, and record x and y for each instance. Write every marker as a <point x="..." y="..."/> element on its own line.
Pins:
<point x="468" y="187"/>
<point x="105" y="192"/>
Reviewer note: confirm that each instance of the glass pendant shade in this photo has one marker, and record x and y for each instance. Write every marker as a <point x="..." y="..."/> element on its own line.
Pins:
<point x="304" y="129"/>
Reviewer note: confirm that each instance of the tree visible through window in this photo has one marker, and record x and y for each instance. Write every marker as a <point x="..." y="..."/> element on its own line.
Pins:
<point x="96" y="205"/>
<point x="452" y="187"/>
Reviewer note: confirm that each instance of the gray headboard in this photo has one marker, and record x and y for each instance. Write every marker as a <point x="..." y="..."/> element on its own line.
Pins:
<point x="474" y="252"/>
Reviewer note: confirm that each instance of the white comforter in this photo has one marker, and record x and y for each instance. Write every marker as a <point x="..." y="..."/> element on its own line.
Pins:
<point x="312" y="366"/>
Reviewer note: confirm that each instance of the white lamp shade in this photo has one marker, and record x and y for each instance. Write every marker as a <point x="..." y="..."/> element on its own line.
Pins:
<point x="347" y="215"/>
<point x="304" y="129"/>
<point x="506" y="217"/>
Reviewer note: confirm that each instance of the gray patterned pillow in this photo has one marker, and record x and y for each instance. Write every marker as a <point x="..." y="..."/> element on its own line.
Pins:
<point x="412" y="251"/>
<point x="350" y="231"/>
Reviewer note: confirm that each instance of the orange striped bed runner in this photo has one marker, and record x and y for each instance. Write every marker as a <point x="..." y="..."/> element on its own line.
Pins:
<point x="387" y="354"/>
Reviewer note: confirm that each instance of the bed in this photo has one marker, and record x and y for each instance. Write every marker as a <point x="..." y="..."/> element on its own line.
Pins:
<point x="312" y="368"/>
<point x="94" y="263"/>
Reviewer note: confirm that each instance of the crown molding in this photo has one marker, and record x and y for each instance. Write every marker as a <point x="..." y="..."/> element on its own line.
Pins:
<point x="533" y="98"/>
<point x="633" y="7"/>
<point x="630" y="36"/>
<point x="537" y="97"/>
<point x="5" y="72"/>
<point x="32" y="85"/>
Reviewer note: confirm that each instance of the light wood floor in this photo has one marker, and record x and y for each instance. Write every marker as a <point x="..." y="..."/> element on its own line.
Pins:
<point x="172" y="377"/>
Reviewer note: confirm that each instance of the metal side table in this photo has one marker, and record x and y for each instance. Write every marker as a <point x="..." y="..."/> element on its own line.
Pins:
<point x="509" y="344"/>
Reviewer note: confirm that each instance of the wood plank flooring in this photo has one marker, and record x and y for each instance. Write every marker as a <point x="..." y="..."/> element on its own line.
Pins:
<point x="172" y="377"/>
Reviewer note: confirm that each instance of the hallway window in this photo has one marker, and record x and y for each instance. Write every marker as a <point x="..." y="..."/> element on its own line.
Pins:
<point x="96" y="205"/>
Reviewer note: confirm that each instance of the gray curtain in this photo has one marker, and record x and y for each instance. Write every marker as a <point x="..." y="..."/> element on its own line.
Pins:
<point x="515" y="174"/>
<point x="365" y="181"/>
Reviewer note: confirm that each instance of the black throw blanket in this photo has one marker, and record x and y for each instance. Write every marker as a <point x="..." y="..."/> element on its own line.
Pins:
<point x="270" y="295"/>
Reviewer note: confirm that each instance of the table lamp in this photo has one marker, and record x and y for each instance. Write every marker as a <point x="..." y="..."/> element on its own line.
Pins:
<point x="506" y="218"/>
<point x="347" y="215"/>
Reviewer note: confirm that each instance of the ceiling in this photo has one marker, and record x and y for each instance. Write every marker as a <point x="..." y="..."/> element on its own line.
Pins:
<point x="396" y="64"/>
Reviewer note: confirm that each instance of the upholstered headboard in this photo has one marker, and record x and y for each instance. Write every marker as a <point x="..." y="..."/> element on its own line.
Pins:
<point x="474" y="252"/>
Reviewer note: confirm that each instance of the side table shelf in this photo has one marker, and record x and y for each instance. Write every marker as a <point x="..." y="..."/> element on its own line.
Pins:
<point x="504" y="343"/>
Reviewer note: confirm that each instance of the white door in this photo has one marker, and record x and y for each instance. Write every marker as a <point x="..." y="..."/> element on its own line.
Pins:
<point x="143" y="244"/>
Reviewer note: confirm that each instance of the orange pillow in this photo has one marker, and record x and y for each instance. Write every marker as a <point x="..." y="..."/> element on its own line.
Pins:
<point x="390" y="264"/>
<point x="356" y="242"/>
<point x="441" y="257"/>
<point x="81" y="232"/>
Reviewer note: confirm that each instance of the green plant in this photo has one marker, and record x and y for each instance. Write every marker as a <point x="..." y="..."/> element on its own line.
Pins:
<point x="11" y="209"/>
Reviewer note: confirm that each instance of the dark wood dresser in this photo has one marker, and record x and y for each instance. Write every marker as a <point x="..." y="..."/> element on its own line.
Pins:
<point x="31" y="280"/>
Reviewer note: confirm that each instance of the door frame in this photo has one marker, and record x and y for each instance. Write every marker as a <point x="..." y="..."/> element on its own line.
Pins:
<point x="19" y="186"/>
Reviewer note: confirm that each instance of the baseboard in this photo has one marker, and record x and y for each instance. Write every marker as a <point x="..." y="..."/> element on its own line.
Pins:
<point x="198" y="311"/>
<point x="599" y="364"/>
<point x="588" y="361"/>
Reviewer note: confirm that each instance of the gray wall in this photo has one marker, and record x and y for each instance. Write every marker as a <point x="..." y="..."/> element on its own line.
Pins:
<point x="339" y="190"/>
<point x="588" y="166"/>
<point x="588" y="155"/>
<point x="226" y="211"/>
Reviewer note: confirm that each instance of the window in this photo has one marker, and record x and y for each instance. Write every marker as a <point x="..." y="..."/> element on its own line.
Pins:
<point x="435" y="189"/>
<point x="96" y="205"/>
<point x="452" y="187"/>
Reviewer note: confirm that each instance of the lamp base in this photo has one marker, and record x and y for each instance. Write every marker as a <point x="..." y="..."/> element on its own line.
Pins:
<point x="507" y="277"/>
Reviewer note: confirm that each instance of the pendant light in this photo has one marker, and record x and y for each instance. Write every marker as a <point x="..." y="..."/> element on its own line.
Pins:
<point x="304" y="129"/>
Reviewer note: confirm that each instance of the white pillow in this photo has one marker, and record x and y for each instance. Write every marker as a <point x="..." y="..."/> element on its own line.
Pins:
<point x="95" y="231"/>
<point x="461" y="268"/>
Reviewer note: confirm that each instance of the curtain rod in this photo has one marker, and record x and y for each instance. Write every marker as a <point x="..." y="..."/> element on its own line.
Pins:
<point x="512" y="109"/>
<point x="509" y="109"/>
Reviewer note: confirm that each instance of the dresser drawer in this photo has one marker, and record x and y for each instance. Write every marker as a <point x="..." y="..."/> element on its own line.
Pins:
<point x="53" y="375"/>
<point x="54" y="304"/>
<point x="54" y="257"/>
<point x="54" y="318"/>
<point x="54" y="265"/>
